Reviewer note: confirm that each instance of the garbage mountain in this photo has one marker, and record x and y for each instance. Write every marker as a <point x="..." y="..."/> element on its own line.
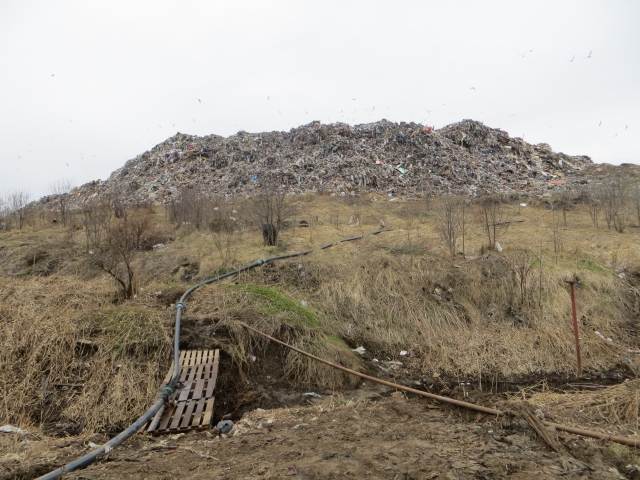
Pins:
<point x="398" y="159"/>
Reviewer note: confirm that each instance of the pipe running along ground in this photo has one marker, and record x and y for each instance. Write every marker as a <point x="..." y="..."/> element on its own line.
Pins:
<point x="155" y="411"/>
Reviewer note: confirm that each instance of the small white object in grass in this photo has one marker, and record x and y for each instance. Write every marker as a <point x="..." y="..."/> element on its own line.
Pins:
<point x="361" y="350"/>
<point x="93" y="445"/>
<point x="12" y="429"/>
<point x="312" y="395"/>
<point x="609" y="339"/>
<point x="498" y="247"/>
<point x="404" y="353"/>
<point x="260" y="410"/>
<point x="523" y="204"/>
<point x="253" y="358"/>
<point x="108" y="448"/>
<point x="375" y="360"/>
<point x="158" y="246"/>
<point x="304" y="303"/>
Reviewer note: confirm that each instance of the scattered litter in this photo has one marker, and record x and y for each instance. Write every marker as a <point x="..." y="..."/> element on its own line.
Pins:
<point x="628" y="360"/>
<point x="253" y="358"/>
<point x="108" y="448"/>
<point x="304" y="303"/>
<point x="375" y="360"/>
<point x="260" y="410"/>
<point x="158" y="246"/>
<point x="92" y="445"/>
<point x="622" y="275"/>
<point x="225" y="426"/>
<point x="393" y="362"/>
<point x="361" y="350"/>
<point x="158" y="293"/>
<point x="404" y="353"/>
<point x="523" y="204"/>
<point x="312" y="395"/>
<point x="498" y="247"/>
<point x="12" y="429"/>
<point x="92" y="252"/>
<point x="296" y="427"/>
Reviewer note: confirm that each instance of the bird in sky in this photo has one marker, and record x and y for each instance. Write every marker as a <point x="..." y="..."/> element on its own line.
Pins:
<point x="353" y="99"/>
<point x="194" y="119"/>
<point x="600" y="124"/>
<point x="279" y="112"/>
<point x="80" y="155"/>
<point x="267" y="97"/>
<point x="173" y="125"/>
<point x="522" y="55"/>
<point x="200" y="100"/>
<point x="512" y="115"/>
<point x="19" y="157"/>
<point x="160" y="125"/>
<point x="472" y="88"/>
<point x="67" y="164"/>
<point x="52" y="75"/>
<point x="572" y="58"/>
<point x="588" y="56"/>
<point x="615" y="135"/>
<point x="626" y="126"/>
<point x="306" y="112"/>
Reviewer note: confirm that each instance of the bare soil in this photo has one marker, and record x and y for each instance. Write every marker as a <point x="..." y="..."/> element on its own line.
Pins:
<point x="374" y="436"/>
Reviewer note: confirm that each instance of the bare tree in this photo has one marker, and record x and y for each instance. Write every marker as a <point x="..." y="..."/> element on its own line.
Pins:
<point x="594" y="204"/>
<point x="61" y="189"/>
<point x="491" y="213"/>
<point x="634" y="195"/>
<point x="17" y="202"/>
<point x="614" y="204"/>
<point x="270" y="210"/>
<point x="117" y="232"/>
<point x="450" y="223"/>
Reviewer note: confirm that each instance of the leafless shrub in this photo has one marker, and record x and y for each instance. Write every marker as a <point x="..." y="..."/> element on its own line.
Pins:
<point x="450" y="223"/>
<point x="613" y="197"/>
<point x="594" y="204"/>
<point x="491" y="215"/>
<point x="270" y="210"/>
<point x="523" y="263"/>
<point x="557" y="238"/>
<point x="17" y="206"/>
<point x="61" y="189"/>
<point x="116" y="231"/>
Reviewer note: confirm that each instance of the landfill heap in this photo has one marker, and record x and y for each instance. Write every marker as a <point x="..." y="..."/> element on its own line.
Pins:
<point x="405" y="159"/>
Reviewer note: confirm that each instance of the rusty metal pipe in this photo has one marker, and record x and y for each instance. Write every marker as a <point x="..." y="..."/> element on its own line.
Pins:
<point x="479" y="408"/>
<point x="471" y="406"/>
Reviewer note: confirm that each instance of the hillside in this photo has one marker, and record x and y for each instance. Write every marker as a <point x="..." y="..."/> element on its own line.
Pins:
<point x="402" y="159"/>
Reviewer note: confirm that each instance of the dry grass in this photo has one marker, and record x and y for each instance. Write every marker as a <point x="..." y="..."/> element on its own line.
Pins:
<point x="386" y="292"/>
<point x="615" y="409"/>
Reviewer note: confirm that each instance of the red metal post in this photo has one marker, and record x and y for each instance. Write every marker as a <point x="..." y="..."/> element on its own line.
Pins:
<point x="575" y="327"/>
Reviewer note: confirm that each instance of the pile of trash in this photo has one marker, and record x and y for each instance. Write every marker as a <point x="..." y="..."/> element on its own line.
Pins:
<point x="395" y="159"/>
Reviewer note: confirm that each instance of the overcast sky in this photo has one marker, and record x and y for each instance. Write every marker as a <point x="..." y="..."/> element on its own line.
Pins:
<point x="87" y="85"/>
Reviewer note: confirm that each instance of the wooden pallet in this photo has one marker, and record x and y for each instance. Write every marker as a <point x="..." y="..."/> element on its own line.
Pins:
<point x="194" y="407"/>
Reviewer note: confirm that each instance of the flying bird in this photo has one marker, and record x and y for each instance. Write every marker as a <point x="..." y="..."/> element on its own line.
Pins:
<point x="522" y="55"/>
<point x="353" y="99"/>
<point x="626" y="126"/>
<point x="512" y="115"/>
<point x="19" y="157"/>
<point x="160" y="125"/>
<point x="615" y="135"/>
<point x="67" y="164"/>
<point x="173" y="125"/>
<point x="200" y="100"/>
<point x="588" y="56"/>
<point x="80" y="155"/>
<point x="572" y="58"/>
<point x="306" y="112"/>
<point x="194" y="119"/>
<point x="267" y="97"/>
<point x="472" y="88"/>
<point x="52" y="75"/>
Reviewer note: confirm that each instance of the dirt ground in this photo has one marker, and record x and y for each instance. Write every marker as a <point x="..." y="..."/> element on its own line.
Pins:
<point x="381" y="435"/>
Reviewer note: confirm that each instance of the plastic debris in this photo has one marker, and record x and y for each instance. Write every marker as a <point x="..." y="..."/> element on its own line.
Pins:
<point x="158" y="246"/>
<point x="12" y="429"/>
<point x="404" y="353"/>
<point x="498" y="247"/>
<point x="312" y="395"/>
<point x="253" y="358"/>
<point x="225" y="426"/>
<point x="523" y="204"/>
<point x="361" y="350"/>
<point x="387" y="157"/>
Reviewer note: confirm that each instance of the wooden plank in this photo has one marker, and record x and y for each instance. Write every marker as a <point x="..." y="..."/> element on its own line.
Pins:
<point x="188" y="414"/>
<point x="164" y="421"/>
<point x="177" y="414"/>
<point x="208" y="412"/>
<point x="197" y="416"/>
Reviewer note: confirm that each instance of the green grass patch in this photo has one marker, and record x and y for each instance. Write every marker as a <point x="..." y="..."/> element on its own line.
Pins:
<point x="274" y="303"/>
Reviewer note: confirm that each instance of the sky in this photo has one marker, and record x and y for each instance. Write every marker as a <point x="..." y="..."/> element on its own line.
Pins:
<point x="87" y="85"/>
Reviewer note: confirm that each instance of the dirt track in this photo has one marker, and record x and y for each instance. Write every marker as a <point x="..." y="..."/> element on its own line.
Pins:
<point x="394" y="438"/>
